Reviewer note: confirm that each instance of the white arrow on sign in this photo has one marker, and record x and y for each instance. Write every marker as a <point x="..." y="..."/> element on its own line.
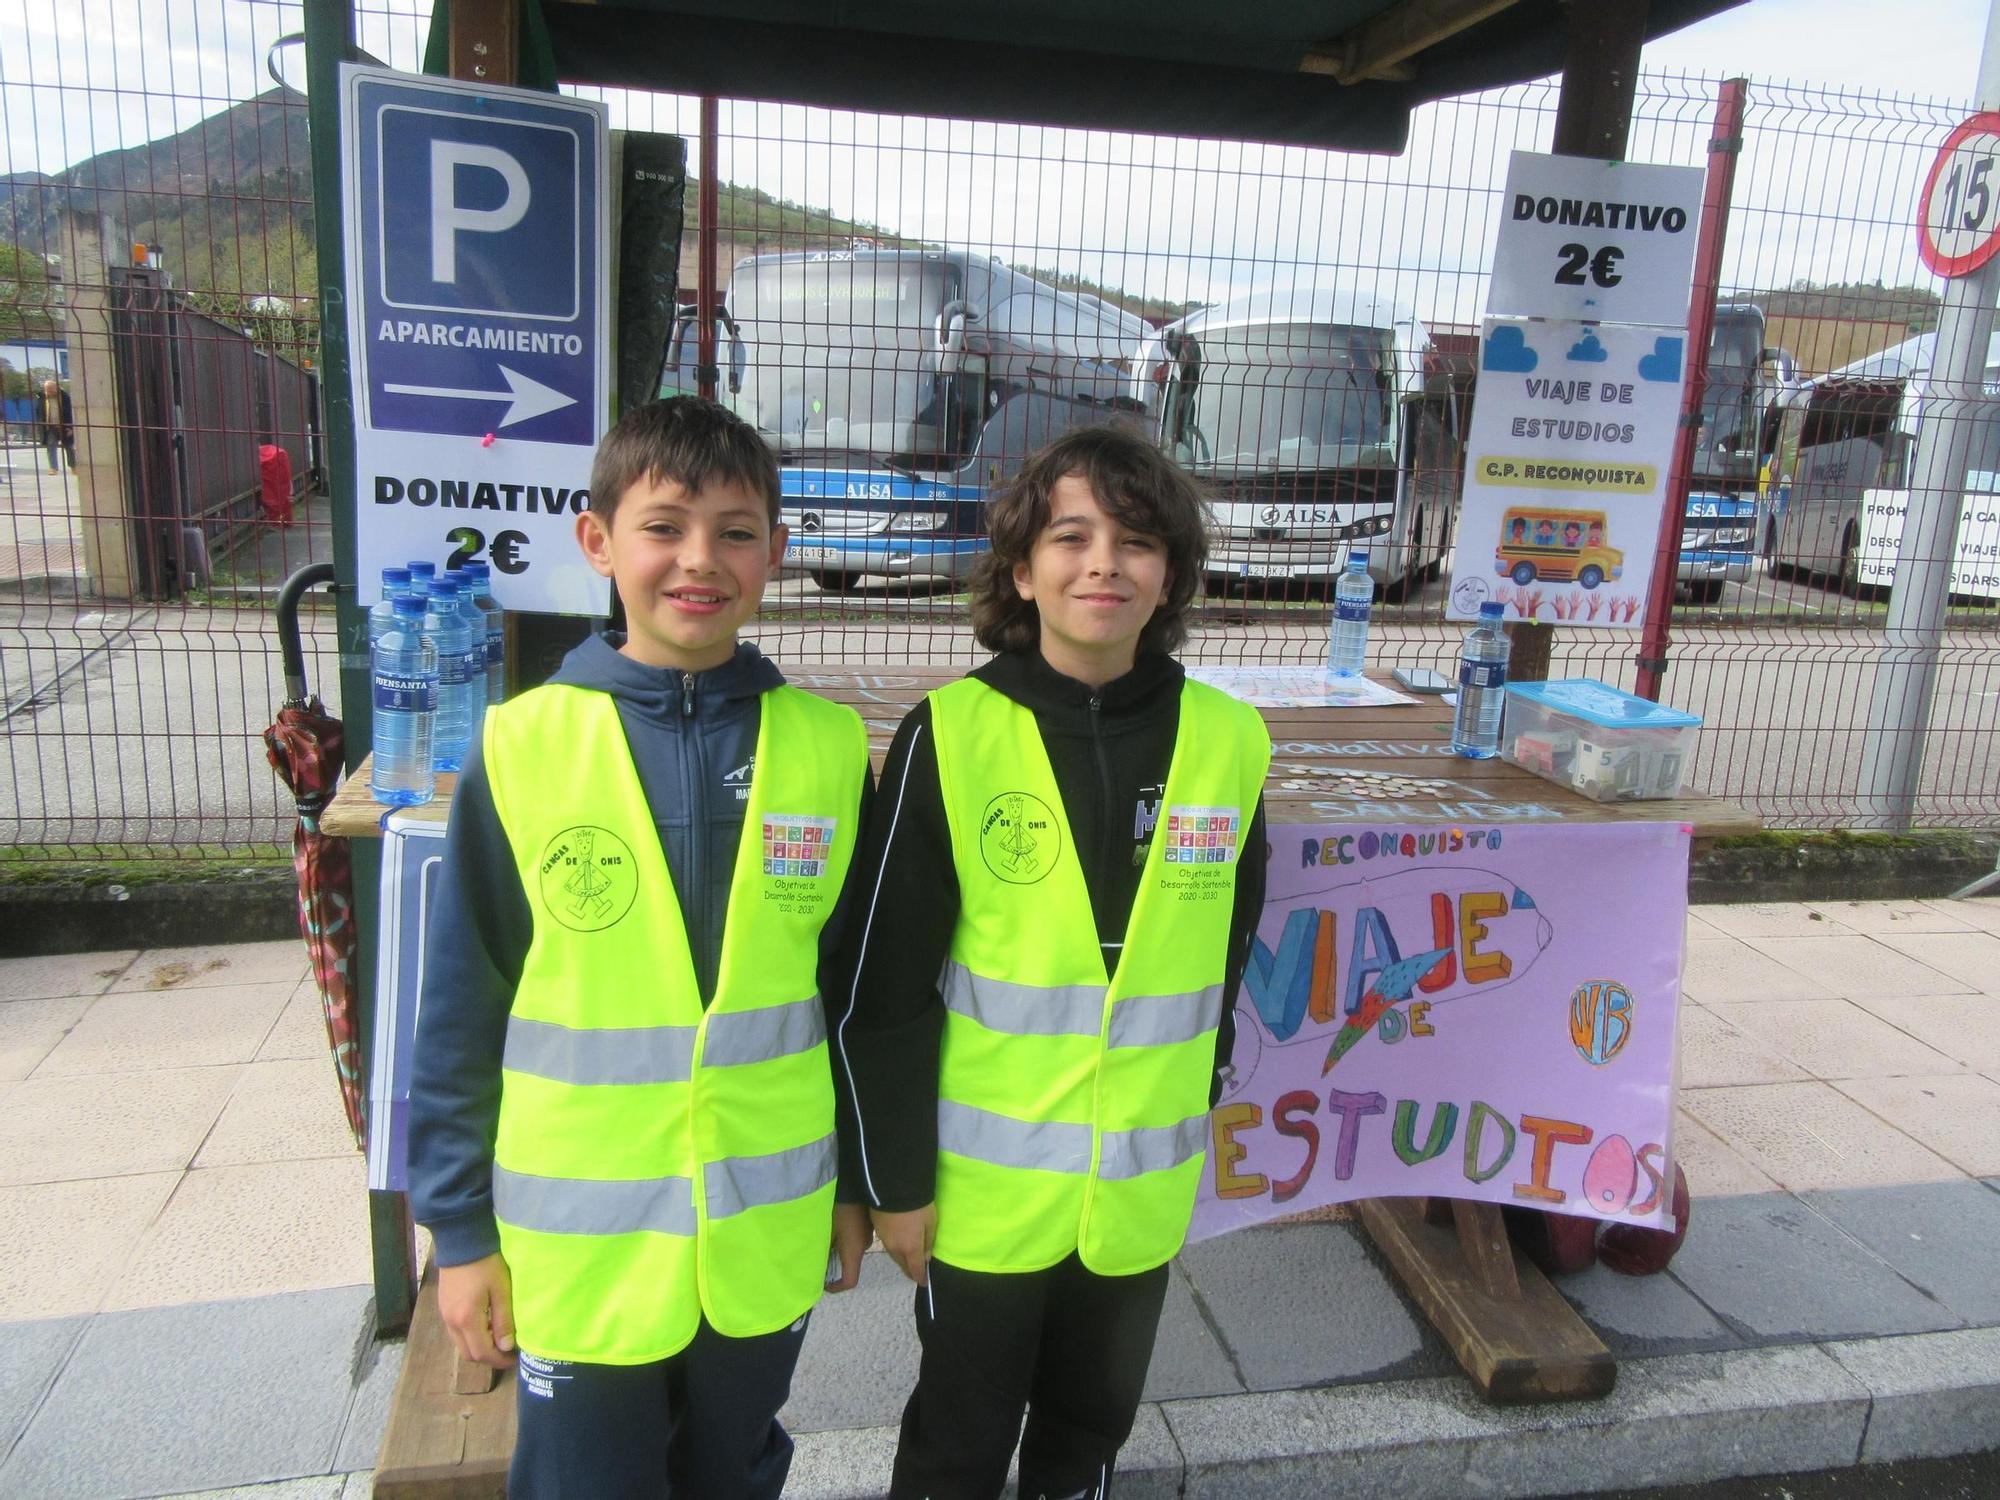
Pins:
<point x="527" y="398"/>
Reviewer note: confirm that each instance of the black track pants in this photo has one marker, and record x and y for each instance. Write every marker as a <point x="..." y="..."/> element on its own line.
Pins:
<point x="702" y="1425"/>
<point x="1068" y="1346"/>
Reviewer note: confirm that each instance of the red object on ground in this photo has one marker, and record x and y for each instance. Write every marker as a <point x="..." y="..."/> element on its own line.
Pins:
<point x="1634" y="1250"/>
<point x="274" y="468"/>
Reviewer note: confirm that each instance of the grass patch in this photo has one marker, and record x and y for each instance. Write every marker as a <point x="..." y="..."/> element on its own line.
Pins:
<point x="33" y="866"/>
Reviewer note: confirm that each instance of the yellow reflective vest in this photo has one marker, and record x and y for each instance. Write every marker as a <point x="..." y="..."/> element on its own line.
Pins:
<point x="1072" y="1105"/>
<point x="656" y="1162"/>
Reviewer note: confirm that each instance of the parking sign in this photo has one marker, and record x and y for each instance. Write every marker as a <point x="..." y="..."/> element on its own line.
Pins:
<point x="477" y="281"/>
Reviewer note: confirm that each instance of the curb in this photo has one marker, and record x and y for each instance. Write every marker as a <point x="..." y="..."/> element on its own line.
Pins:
<point x="248" y="905"/>
<point x="1677" y="1419"/>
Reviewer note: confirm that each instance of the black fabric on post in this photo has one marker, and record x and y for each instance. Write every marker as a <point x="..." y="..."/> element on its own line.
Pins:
<point x="653" y="193"/>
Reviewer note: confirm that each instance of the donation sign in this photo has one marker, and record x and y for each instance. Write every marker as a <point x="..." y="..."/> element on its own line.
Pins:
<point x="1457" y="1011"/>
<point x="1606" y="241"/>
<point x="478" y="328"/>
<point x="1566" y="471"/>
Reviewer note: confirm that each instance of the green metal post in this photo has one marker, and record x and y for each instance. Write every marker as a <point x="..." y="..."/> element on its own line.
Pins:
<point x="329" y="32"/>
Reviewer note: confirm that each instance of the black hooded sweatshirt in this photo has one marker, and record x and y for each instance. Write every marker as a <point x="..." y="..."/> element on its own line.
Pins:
<point x="1110" y="748"/>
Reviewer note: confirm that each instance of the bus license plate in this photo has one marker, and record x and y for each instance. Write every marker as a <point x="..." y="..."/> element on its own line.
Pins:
<point x="810" y="556"/>
<point x="1264" y="570"/>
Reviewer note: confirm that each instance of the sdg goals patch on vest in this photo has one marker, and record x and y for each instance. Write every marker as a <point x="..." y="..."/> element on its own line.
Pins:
<point x="1201" y="835"/>
<point x="796" y="845"/>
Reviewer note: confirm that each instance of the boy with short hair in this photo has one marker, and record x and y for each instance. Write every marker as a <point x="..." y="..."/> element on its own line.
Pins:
<point x="622" y="1112"/>
<point x="1070" y="847"/>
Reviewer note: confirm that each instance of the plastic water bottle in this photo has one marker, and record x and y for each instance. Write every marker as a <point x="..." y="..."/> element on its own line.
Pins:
<point x="421" y="574"/>
<point x="382" y="613"/>
<point x="404" y="667"/>
<point x="1482" y="686"/>
<point x="461" y="657"/>
<point x="1353" y="595"/>
<point x="475" y="621"/>
<point x="496" y="631"/>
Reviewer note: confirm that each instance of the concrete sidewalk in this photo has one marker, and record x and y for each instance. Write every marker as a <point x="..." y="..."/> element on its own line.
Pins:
<point x="184" y="1303"/>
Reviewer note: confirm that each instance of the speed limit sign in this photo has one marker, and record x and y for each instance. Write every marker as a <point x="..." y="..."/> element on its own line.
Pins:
<point x="1958" y="219"/>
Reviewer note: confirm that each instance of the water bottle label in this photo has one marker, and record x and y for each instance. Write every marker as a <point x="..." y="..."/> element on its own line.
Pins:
<point x="1473" y="674"/>
<point x="395" y="693"/>
<point x="455" y="668"/>
<point x="1351" y="609"/>
<point x="496" y="649"/>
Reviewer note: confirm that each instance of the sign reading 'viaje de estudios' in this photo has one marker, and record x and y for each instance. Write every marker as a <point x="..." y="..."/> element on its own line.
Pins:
<point x="478" y="327"/>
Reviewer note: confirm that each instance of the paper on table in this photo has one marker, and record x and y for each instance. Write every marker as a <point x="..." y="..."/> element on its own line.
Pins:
<point x="1298" y="687"/>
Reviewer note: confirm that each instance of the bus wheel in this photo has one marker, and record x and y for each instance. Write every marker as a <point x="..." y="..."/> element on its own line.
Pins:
<point x="1772" y="566"/>
<point x="1850" y="563"/>
<point x="1591" y="576"/>
<point x="834" y="581"/>
<point x="1705" y="591"/>
<point x="1523" y="574"/>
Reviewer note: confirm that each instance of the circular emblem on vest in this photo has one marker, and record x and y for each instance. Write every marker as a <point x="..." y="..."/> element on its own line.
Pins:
<point x="589" y="878"/>
<point x="1019" y="837"/>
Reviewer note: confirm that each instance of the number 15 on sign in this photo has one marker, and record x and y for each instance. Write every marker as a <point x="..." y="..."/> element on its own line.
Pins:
<point x="1958" y="219"/>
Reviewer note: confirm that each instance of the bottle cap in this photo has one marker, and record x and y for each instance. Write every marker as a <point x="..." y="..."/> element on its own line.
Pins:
<point x="408" y="604"/>
<point x="476" y="570"/>
<point x="395" y="577"/>
<point x="1357" y="555"/>
<point x="444" y="588"/>
<point x="458" y="576"/>
<point x="423" y="570"/>
<point x="1492" y="609"/>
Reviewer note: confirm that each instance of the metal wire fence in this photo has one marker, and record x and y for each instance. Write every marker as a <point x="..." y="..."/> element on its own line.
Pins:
<point x="911" y="305"/>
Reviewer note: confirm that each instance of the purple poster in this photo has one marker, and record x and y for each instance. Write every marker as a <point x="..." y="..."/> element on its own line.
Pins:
<point x="1459" y="1011"/>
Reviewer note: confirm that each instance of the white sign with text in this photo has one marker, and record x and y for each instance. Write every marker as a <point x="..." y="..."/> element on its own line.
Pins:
<point x="1601" y="241"/>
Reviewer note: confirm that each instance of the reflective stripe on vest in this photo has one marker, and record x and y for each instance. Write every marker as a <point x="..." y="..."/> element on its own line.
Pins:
<point x="1072" y="1108"/>
<point x="656" y="1162"/>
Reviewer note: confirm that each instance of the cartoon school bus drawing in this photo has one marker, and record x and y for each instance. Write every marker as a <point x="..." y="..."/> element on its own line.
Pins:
<point x="1555" y="546"/>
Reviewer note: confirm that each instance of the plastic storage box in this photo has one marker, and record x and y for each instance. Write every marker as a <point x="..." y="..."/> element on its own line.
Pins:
<point x="1590" y="737"/>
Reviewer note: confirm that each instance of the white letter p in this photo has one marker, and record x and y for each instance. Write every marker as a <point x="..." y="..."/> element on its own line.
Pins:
<point x="448" y="219"/>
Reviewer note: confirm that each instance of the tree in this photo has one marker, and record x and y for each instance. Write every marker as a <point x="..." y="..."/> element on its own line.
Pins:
<point x="30" y="299"/>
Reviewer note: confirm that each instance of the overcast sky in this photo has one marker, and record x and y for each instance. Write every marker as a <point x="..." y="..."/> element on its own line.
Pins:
<point x="1815" y="196"/>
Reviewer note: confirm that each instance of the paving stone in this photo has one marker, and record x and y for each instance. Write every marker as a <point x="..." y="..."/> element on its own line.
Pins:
<point x="1677" y="1420"/>
<point x="1934" y="1393"/>
<point x="31" y="1355"/>
<point x="61" y="974"/>
<point x="368" y="1409"/>
<point x="1955" y="1115"/>
<point x="870" y="1331"/>
<point x="155" y="1401"/>
<point x="317" y="1487"/>
<point x="1305" y="1305"/>
<point x="1644" y="1315"/>
<point x="1187" y="1359"/>
<point x="1854" y="965"/>
<point x="1939" y="1235"/>
<point x="1971" y="958"/>
<point x="1812" y="1135"/>
<point x="1778" y="1271"/>
<point x="1728" y="969"/>
<point x="1755" y="919"/>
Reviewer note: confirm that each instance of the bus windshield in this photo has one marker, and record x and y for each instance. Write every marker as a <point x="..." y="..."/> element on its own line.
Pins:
<point x="839" y="356"/>
<point x="1276" y="397"/>
<point x="1729" y="424"/>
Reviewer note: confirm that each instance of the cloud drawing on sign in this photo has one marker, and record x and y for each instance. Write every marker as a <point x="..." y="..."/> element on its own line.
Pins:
<point x="1664" y="363"/>
<point x="1588" y="350"/>
<point x="1507" y="351"/>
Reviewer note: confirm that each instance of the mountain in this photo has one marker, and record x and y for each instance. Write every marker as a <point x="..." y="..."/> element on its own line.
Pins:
<point x="229" y="203"/>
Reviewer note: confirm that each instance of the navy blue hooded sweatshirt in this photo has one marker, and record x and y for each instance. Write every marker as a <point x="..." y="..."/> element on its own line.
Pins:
<point x="693" y="737"/>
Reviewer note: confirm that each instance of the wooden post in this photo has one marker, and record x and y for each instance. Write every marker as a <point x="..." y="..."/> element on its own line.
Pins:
<point x="1593" y="118"/>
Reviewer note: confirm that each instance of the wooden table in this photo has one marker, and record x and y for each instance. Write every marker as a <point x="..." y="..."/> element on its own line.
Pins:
<point x="451" y="1429"/>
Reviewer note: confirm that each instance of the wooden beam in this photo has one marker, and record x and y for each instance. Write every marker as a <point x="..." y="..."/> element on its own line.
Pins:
<point x="1384" y="48"/>
<point x="483" y="40"/>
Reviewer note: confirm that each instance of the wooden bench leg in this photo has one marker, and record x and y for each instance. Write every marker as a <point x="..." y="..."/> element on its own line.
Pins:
<point x="1510" y="1330"/>
<point x="451" y="1423"/>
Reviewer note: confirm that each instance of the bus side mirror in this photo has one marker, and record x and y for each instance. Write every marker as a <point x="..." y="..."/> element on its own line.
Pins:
<point x="948" y="335"/>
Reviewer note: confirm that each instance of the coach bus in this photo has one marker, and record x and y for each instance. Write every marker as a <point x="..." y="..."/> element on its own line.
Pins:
<point x="1746" y="380"/>
<point x="1320" y="422"/>
<point x="899" y="387"/>
<point x="1845" y="452"/>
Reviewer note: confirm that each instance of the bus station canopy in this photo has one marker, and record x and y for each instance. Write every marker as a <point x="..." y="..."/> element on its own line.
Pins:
<point x="1338" y="74"/>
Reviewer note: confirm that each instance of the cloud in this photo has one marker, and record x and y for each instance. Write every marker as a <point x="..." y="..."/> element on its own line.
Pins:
<point x="1507" y="350"/>
<point x="1587" y="350"/>
<point x="1664" y="363"/>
